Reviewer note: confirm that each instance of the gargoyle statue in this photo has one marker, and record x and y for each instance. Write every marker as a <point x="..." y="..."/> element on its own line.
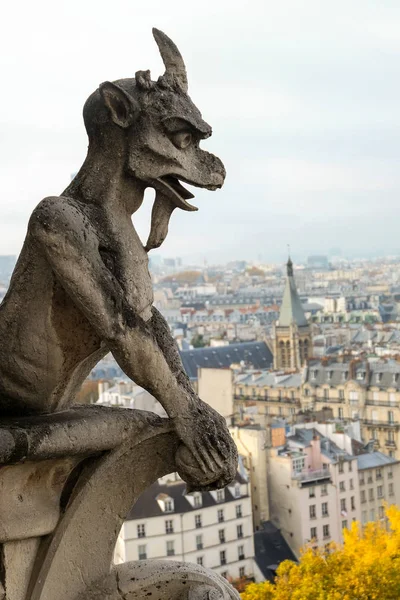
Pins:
<point x="81" y="287"/>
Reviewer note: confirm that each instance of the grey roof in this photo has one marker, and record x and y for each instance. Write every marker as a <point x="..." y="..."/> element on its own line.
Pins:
<point x="291" y="308"/>
<point x="372" y="460"/>
<point x="270" y="549"/>
<point x="222" y="357"/>
<point x="147" y="505"/>
<point x="303" y="437"/>
<point x="380" y="373"/>
<point x="271" y="379"/>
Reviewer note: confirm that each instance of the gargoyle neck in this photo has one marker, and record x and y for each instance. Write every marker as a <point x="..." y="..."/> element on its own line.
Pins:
<point x="102" y="180"/>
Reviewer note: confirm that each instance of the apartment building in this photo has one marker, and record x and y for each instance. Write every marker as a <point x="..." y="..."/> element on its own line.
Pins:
<point x="213" y="529"/>
<point x="272" y="393"/>
<point x="359" y="389"/>
<point x="313" y="489"/>
<point x="378" y="477"/>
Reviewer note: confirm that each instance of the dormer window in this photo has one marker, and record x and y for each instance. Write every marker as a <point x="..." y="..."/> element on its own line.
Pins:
<point x="345" y="375"/>
<point x="220" y="495"/>
<point x="197" y="500"/>
<point x="360" y="375"/>
<point x="314" y="374"/>
<point x="378" y="377"/>
<point x="166" y="503"/>
<point x="237" y="490"/>
<point x="329" y="375"/>
<point x="395" y="377"/>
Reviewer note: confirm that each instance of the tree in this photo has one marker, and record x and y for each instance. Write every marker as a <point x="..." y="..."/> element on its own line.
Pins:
<point x="198" y="341"/>
<point x="366" y="567"/>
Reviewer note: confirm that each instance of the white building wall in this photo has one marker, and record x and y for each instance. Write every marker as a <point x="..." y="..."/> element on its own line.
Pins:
<point x="184" y="538"/>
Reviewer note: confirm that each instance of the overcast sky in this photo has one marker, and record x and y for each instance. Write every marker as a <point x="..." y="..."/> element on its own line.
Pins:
<point x="303" y="97"/>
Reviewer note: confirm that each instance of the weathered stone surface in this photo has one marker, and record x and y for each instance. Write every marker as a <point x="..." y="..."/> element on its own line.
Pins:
<point x="81" y="288"/>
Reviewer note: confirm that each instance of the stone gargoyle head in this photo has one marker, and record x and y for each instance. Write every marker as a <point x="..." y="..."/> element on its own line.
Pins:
<point x="158" y="129"/>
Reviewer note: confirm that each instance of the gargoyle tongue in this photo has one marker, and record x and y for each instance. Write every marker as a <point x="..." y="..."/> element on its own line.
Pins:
<point x="171" y="187"/>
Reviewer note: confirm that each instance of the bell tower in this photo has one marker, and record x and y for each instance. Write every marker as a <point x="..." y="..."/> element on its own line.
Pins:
<point x="292" y="333"/>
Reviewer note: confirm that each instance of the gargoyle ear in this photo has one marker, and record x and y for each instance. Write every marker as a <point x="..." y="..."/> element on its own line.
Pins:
<point x="123" y="108"/>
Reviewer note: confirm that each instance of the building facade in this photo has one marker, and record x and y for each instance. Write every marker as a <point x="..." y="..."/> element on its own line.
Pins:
<point x="213" y="529"/>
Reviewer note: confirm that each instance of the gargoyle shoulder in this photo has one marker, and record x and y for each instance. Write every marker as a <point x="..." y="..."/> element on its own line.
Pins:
<point x="58" y="216"/>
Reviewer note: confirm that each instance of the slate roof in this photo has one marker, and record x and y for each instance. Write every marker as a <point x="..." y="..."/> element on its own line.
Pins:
<point x="270" y="550"/>
<point x="221" y="357"/>
<point x="269" y="379"/>
<point x="372" y="460"/>
<point x="291" y="307"/>
<point x="147" y="505"/>
<point x="380" y="373"/>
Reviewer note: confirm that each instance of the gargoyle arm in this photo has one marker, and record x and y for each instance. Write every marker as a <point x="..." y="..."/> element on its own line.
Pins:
<point x="71" y="249"/>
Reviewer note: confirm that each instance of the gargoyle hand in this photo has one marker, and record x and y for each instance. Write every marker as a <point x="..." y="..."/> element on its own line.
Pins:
<point x="208" y="457"/>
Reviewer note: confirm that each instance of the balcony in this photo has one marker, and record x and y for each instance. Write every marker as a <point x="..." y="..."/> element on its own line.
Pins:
<point x="390" y="444"/>
<point x="376" y="423"/>
<point x="309" y="476"/>
<point x="382" y="403"/>
<point x="249" y="398"/>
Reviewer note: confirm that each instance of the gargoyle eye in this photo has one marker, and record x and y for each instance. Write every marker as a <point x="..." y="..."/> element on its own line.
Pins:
<point x="182" y="139"/>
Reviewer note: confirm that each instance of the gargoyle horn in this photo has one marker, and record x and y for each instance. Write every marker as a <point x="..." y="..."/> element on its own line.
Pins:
<point x="172" y="59"/>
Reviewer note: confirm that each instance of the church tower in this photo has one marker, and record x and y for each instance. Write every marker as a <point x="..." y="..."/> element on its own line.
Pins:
<point x="292" y="339"/>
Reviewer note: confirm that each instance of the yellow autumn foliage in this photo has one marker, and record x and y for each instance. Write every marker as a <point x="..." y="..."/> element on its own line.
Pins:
<point x="366" y="567"/>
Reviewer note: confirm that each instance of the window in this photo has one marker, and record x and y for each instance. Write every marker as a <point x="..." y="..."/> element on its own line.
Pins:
<point x="362" y="496"/>
<point x="197" y="521"/>
<point x="364" y="517"/>
<point x="199" y="542"/>
<point x="170" y="548"/>
<point x="324" y="489"/>
<point x="350" y="467"/>
<point x="141" y="530"/>
<point x="222" y="557"/>
<point x="381" y="512"/>
<point x="390" y="416"/>
<point x="313" y="512"/>
<point x="342" y="487"/>
<point x="168" y="506"/>
<point x="237" y="491"/>
<point x="221" y="515"/>
<point x="341" y="467"/>
<point x="239" y="511"/>
<point x="197" y="500"/>
<point x="325" y="531"/>
<point x="241" y="555"/>
<point x="169" y="526"/>
<point x="378" y="473"/>
<point x="242" y="572"/>
<point x="142" y="552"/>
<point x="344" y="524"/>
<point x="221" y="535"/>
<point x="340" y="413"/>
<point x="239" y="530"/>
<point x="298" y="464"/>
<point x="379" y="491"/>
<point x="353" y="396"/>
<point x="371" y="494"/>
<point x="220" y="495"/>
<point x="390" y="435"/>
<point x="313" y="533"/>
<point x="362" y="480"/>
<point x="351" y="484"/>
<point x="314" y="374"/>
<point x="341" y="395"/>
<point x="307" y="391"/>
<point x="224" y="574"/>
<point x="391" y="492"/>
<point x="369" y="477"/>
<point x="372" y="514"/>
<point x="326" y="394"/>
<point x="343" y="505"/>
<point x="353" y="503"/>
<point x="200" y="560"/>
<point x="311" y="492"/>
<point x="325" y="509"/>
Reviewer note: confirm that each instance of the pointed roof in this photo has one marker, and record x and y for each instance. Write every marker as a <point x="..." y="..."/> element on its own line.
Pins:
<point x="291" y="308"/>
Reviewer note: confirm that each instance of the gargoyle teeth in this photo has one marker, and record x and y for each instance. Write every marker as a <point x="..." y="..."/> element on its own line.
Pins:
<point x="172" y="187"/>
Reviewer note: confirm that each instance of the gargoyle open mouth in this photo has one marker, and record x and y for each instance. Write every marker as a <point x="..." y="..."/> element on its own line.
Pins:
<point x="179" y="195"/>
